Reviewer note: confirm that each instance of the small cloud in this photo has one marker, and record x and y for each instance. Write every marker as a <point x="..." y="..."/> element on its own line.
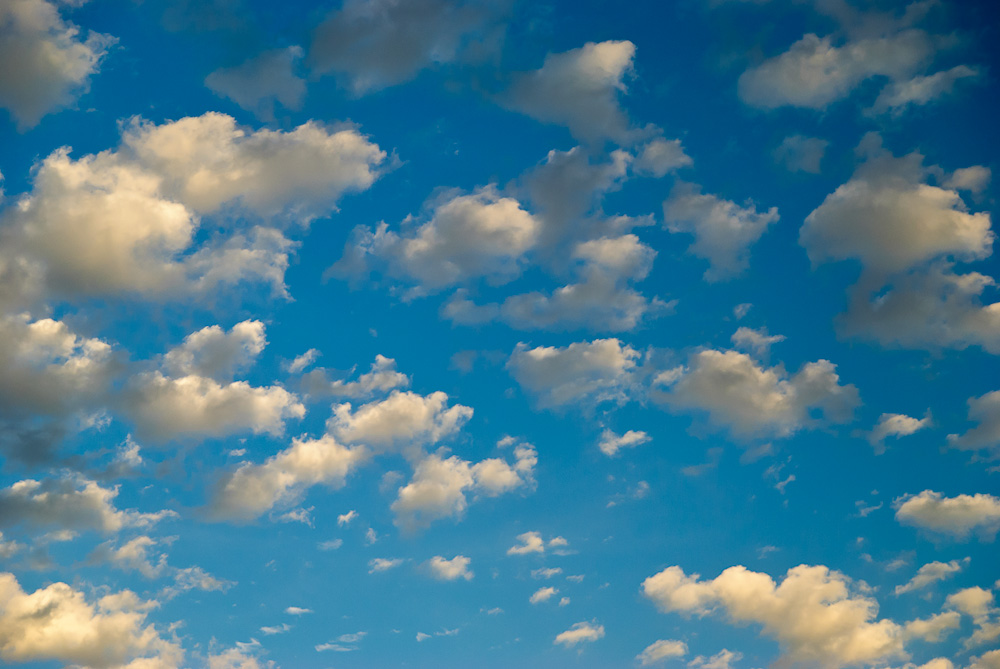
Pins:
<point x="331" y="545"/>
<point x="383" y="564"/>
<point x="297" y="611"/>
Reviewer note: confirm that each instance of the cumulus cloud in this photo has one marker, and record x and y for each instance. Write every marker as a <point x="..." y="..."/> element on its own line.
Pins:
<point x="753" y="341"/>
<point x="404" y="419"/>
<point x="722" y="660"/>
<point x="376" y="565"/>
<point x="54" y="61"/>
<point x="257" y="84"/>
<point x="212" y="352"/>
<point x="611" y="443"/>
<point x="798" y="153"/>
<point x="450" y="570"/>
<point x="660" y="156"/>
<point x="481" y="234"/>
<point x="818" y="616"/>
<point x="895" y="425"/>
<point x="253" y="489"/>
<point x="930" y="573"/>
<point x="972" y="179"/>
<point x="70" y="502"/>
<point x="977" y="603"/>
<point x="956" y="517"/>
<point x="58" y="623"/>
<point x="582" y="632"/>
<point x="440" y="485"/>
<point x="381" y="378"/>
<point x="984" y="410"/>
<point x="921" y="90"/>
<point x="579" y="89"/>
<point x="662" y="650"/>
<point x="375" y="44"/>
<point x="750" y="400"/>
<point x="593" y="372"/>
<point x="723" y="230"/>
<point x="532" y="542"/>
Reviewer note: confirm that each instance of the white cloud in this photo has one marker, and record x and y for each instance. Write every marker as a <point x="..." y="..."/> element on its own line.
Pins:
<point x="440" y="485"/>
<point x="895" y="425"/>
<point x="753" y="341"/>
<point x="749" y="400"/>
<point x="234" y="658"/>
<point x="301" y="362"/>
<point x="660" y="650"/>
<point x="611" y="443"/>
<point x="722" y="660"/>
<point x="978" y="603"/>
<point x="373" y="44"/>
<point x="887" y="217"/>
<point x="957" y="517"/>
<point x="257" y="84"/>
<point x="596" y="371"/>
<point x="816" y="615"/>
<point x="297" y="610"/>
<point x="579" y="89"/>
<point x="660" y="156"/>
<point x="921" y="90"/>
<point x="543" y="572"/>
<point x="543" y="594"/>
<point x="532" y="542"/>
<point x="973" y="179"/>
<point x="254" y="489"/>
<point x="932" y="572"/>
<point x="383" y="564"/>
<point x="345" y="519"/>
<point x="798" y="153"/>
<point x="212" y="352"/>
<point x="165" y="408"/>
<point x="402" y="419"/>
<point x="381" y="378"/>
<point x="54" y="62"/>
<point x="814" y="73"/>
<point x="70" y="502"/>
<point x="450" y="570"/>
<point x="58" y="623"/>
<point x="582" y="632"/>
<point x="984" y="410"/>
<point x="989" y="660"/>
<point x="723" y="230"/>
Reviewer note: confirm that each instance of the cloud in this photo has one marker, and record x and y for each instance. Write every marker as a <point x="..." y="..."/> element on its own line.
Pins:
<point x="297" y="610"/>
<point x="972" y="179"/>
<point x="984" y="410"/>
<point x="214" y="353"/>
<point x="450" y="570"/>
<point x="383" y="564"/>
<point x="382" y="378"/>
<point x="921" y="90"/>
<point x="58" y="623"/>
<point x="978" y="603"/>
<point x="532" y="542"/>
<point x="895" y="425"/>
<point x="932" y="572"/>
<point x="660" y="156"/>
<point x="236" y="658"/>
<point x="815" y="614"/>
<point x="611" y="443"/>
<point x="814" y="73"/>
<point x="345" y="519"/>
<point x="439" y="486"/>
<point x="543" y="594"/>
<point x="723" y="230"/>
<point x="252" y="489"/>
<point x="69" y="502"/>
<point x="749" y="400"/>
<point x="753" y="341"/>
<point x="582" y="632"/>
<point x="591" y="372"/>
<point x="381" y="43"/>
<point x="721" y="660"/>
<point x="989" y="660"/>
<point x="957" y="517"/>
<point x="579" y="89"/>
<point x="660" y="650"/>
<point x="257" y="84"/>
<point x="798" y="153"/>
<point x="54" y="62"/>
<point x="403" y="419"/>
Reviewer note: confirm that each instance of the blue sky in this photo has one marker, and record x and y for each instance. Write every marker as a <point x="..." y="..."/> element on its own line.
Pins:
<point x="492" y="333"/>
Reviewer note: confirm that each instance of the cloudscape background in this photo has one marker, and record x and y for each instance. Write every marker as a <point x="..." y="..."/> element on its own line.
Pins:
<point x="490" y="333"/>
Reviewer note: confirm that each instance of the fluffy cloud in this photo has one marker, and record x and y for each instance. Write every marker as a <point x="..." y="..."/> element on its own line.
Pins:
<point x="920" y="90"/>
<point x="450" y="570"/>
<point x="70" y="502"/>
<point x="932" y="572"/>
<point x="532" y="542"/>
<point x="404" y="419"/>
<point x="376" y="565"/>
<point x="989" y="660"/>
<point x="814" y="613"/>
<point x="660" y="156"/>
<point x="382" y="377"/>
<point x="440" y="485"/>
<point x="482" y="234"/>
<point x="978" y="603"/>
<point x="723" y="230"/>
<point x="58" y="623"/>
<point x="543" y="594"/>
<point x="750" y="400"/>
<point x="753" y="341"/>
<point x="582" y="632"/>
<point x="957" y="516"/>
<point x="375" y="44"/>
<point x="984" y="410"/>
<point x="662" y="650"/>
<point x="54" y="62"/>
<point x="814" y="73"/>
<point x="895" y="425"/>
<point x="579" y="89"/>
<point x="165" y="408"/>
<point x="254" y="489"/>
<point x="611" y="443"/>
<point x="801" y="154"/>
<point x="212" y="352"/>
<point x="595" y="371"/>
<point x="261" y="81"/>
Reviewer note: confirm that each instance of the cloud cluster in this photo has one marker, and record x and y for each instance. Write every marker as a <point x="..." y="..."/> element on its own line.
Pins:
<point x="957" y="517"/>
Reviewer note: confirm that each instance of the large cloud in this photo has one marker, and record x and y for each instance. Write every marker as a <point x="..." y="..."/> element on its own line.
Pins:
<point x="957" y="517"/>
<point x="215" y="353"/>
<point x="58" y="623"/>
<point x="404" y="419"/>
<point x="748" y="399"/>
<point x="819" y="616"/>
<point x="53" y="62"/>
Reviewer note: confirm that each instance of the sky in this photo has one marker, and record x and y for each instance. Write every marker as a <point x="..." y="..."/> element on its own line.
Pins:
<point x="495" y="333"/>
